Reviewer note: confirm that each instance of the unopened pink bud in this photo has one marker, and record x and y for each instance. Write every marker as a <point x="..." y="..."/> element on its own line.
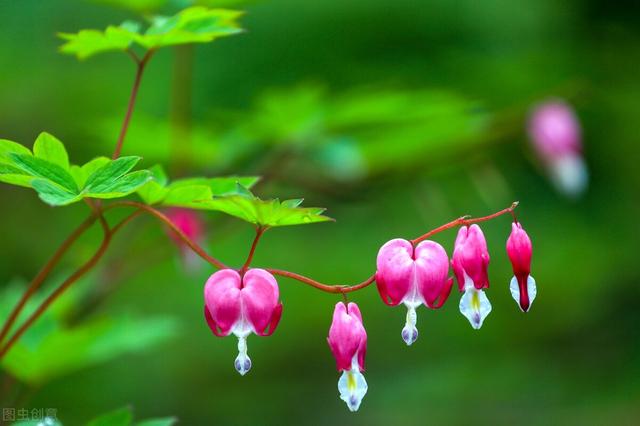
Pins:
<point x="348" y="343"/>
<point x="523" y="286"/>
<point x="470" y="262"/>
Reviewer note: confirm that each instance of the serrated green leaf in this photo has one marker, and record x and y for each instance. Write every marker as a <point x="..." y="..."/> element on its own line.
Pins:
<point x="8" y="147"/>
<point x="81" y="173"/>
<point x="268" y="213"/>
<point x="49" y="148"/>
<point x="14" y="176"/>
<point x="187" y="196"/>
<point x="122" y="186"/>
<point x="87" y="43"/>
<point x="154" y="191"/>
<point x="37" y="167"/>
<point x="106" y="176"/>
<point x="53" y="194"/>
<point x="119" y="417"/>
<point x="192" y="25"/>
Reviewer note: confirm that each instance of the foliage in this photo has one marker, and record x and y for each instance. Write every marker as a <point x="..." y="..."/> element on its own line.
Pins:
<point x="47" y="170"/>
<point x="192" y="25"/>
<point x="53" y="346"/>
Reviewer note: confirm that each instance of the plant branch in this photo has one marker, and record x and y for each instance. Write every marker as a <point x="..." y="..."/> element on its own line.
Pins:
<point x="66" y="284"/>
<point x="259" y="231"/>
<point x="140" y="66"/>
<point x="463" y="221"/>
<point x="43" y="273"/>
<point x="163" y="218"/>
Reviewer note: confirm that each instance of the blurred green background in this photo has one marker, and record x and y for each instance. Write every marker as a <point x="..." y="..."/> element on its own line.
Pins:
<point x="397" y="116"/>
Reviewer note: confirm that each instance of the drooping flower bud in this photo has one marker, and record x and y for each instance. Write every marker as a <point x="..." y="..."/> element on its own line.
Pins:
<point x="555" y="135"/>
<point x="190" y="223"/>
<point x="242" y="305"/>
<point x="470" y="261"/>
<point x="413" y="277"/>
<point x="523" y="286"/>
<point x="348" y="342"/>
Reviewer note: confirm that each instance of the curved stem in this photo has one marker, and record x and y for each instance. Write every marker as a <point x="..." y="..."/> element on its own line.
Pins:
<point x="259" y="231"/>
<point x="321" y="286"/>
<point x="465" y="221"/>
<point x="66" y="284"/>
<point x="163" y="218"/>
<point x="140" y="66"/>
<point x="44" y="273"/>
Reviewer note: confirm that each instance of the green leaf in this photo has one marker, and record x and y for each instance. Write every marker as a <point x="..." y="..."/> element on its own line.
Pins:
<point x="105" y="177"/>
<point x="14" y="176"/>
<point x="167" y="421"/>
<point x="192" y="25"/>
<point x="87" y="43"/>
<point x="250" y="208"/>
<point x="122" y="186"/>
<point x="37" y="167"/>
<point x="53" y="194"/>
<point x="80" y="174"/>
<point x="119" y="417"/>
<point x="49" y="148"/>
<point x="8" y="147"/>
<point x="155" y="190"/>
<point x="38" y="422"/>
<point x="183" y="191"/>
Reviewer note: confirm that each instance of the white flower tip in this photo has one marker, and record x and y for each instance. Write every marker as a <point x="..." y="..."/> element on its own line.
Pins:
<point x="570" y="176"/>
<point x="352" y="387"/>
<point x="532" y="291"/>
<point x="475" y="306"/>
<point x="409" y="334"/>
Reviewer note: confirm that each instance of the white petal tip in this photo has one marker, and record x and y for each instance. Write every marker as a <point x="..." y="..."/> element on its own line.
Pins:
<point x="475" y="306"/>
<point x="352" y="387"/>
<point x="409" y="335"/>
<point x="532" y="292"/>
<point x="242" y="364"/>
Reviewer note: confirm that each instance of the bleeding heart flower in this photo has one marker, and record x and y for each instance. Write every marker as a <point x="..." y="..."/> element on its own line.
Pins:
<point x="470" y="261"/>
<point x="413" y="277"/>
<point x="242" y="305"/>
<point x="523" y="286"/>
<point x="348" y="342"/>
<point x="192" y="226"/>
<point x="555" y="134"/>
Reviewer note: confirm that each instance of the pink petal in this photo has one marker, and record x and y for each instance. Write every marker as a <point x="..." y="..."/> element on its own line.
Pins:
<point x="519" y="250"/>
<point x="347" y="336"/>
<point x="471" y="257"/>
<point x="395" y="269"/>
<point x="432" y="269"/>
<point x="260" y="298"/>
<point x="222" y="300"/>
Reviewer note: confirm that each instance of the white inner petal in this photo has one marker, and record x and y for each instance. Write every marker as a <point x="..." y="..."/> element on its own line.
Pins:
<point x="410" y="331"/>
<point x="242" y="362"/>
<point x="474" y="304"/>
<point x="531" y="289"/>
<point x="352" y="385"/>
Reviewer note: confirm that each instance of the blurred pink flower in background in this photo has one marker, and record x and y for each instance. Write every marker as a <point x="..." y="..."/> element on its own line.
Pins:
<point x="190" y="223"/>
<point x="556" y="136"/>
